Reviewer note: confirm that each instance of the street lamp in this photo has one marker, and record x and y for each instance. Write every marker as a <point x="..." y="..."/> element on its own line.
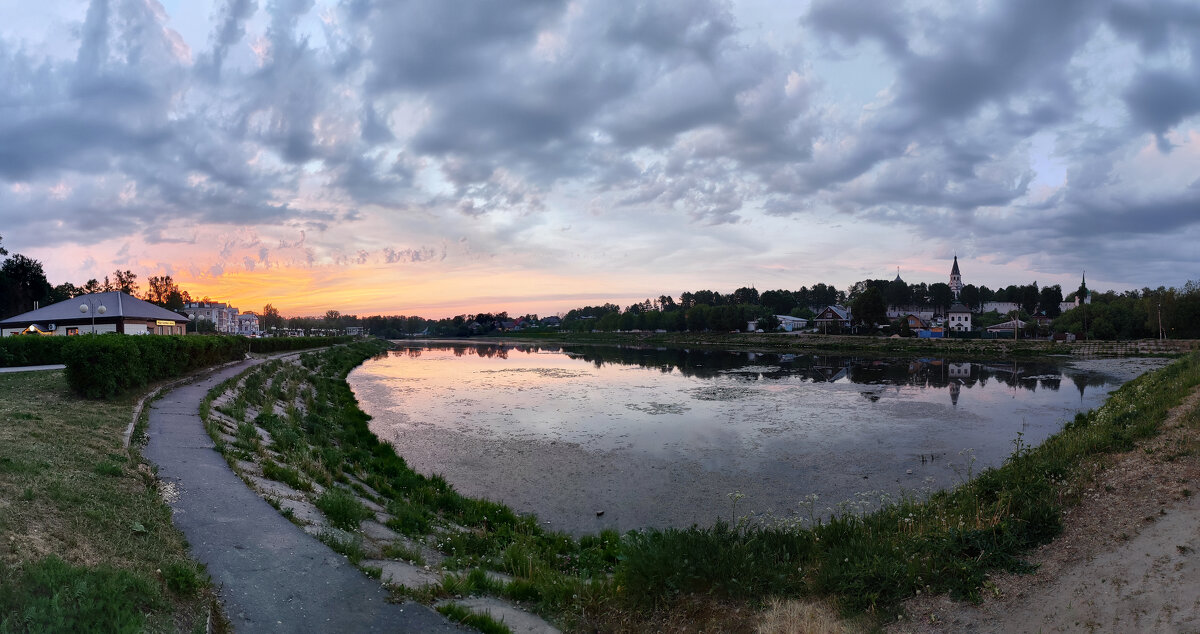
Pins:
<point x="90" y="306"/>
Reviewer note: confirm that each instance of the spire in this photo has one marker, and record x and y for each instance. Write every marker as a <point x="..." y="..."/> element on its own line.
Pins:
<point x="954" y="271"/>
<point x="898" y="275"/>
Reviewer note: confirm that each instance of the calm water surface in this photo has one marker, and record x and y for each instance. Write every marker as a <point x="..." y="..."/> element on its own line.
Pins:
<point x="597" y="437"/>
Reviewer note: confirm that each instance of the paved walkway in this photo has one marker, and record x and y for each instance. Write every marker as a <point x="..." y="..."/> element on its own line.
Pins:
<point x="33" y="368"/>
<point x="272" y="577"/>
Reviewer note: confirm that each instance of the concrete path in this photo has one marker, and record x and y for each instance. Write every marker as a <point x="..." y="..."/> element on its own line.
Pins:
<point x="272" y="577"/>
<point x="33" y="368"/>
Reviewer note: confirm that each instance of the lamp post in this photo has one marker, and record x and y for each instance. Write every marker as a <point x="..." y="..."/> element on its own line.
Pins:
<point x="90" y="306"/>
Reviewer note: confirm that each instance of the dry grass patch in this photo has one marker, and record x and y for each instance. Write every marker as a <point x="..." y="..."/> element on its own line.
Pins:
<point x="804" y="617"/>
<point x="71" y="492"/>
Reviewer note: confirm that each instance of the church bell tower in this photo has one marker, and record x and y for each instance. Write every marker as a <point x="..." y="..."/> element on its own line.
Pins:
<point x="956" y="284"/>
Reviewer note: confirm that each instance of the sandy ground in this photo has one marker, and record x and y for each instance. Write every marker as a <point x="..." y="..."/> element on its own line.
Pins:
<point x="1126" y="562"/>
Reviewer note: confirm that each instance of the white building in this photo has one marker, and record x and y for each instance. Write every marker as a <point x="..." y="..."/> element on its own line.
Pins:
<point x="222" y="315"/>
<point x="958" y="318"/>
<point x="247" y="324"/>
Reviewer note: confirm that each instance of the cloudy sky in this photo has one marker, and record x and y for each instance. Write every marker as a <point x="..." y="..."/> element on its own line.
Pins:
<point x="437" y="157"/>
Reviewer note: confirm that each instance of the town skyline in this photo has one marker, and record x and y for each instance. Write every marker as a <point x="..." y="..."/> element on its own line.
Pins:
<point x="407" y="158"/>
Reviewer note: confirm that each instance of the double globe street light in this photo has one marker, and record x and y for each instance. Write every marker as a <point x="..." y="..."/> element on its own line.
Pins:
<point x="91" y="306"/>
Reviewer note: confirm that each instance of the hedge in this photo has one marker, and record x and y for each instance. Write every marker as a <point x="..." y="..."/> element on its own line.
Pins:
<point x="31" y="350"/>
<point x="282" y="344"/>
<point x="105" y="366"/>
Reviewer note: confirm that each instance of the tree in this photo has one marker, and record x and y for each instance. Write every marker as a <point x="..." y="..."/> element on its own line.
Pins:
<point x="65" y="291"/>
<point x="970" y="296"/>
<point x="3" y="251"/>
<point x="940" y="295"/>
<point x="869" y="309"/>
<point x="1028" y="297"/>
<point x="22" y="284"/>
<point x="333" y="319"/>
<point x="269" y="318"/>
<point x="1050" y="299"/>
<point x="94" y="286"/>
<point x="745" y="295"/>
<point x="778" y="302"/>
<point x="126" y="282"/>
<point x="898" y="293"/>
<point x="162" y="291"/>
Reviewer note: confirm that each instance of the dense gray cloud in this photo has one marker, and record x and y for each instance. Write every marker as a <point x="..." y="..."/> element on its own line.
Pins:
<point x="315" y="114"/>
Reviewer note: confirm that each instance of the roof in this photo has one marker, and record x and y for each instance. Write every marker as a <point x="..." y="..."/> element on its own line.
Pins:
<point x="958" y="307"/>
<point x="842" y="313"/>
<point x="954" y="271"/>
<point x="1008" y="325"/>
<point x="115" y="303"/>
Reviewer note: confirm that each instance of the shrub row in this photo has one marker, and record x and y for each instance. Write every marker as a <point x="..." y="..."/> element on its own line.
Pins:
<point x="106" y="366"/>
<point x="31" y="350"/>
<point x="283" y="344"/>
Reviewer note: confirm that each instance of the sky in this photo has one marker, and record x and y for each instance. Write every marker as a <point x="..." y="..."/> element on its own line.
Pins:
<point x="435" y="158"/>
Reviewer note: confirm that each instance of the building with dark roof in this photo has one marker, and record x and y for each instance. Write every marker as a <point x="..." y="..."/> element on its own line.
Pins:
<point x="958" y="318"/>
<point x="97" y="312"/>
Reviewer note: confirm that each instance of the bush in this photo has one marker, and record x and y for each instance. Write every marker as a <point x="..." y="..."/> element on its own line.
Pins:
<point x="31" y="350"/>
<point x="106" y="366"/>
<point x="283" y="344"/>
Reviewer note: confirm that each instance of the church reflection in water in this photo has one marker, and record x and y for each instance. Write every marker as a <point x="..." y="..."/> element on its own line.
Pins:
<point x="925" y="372"/>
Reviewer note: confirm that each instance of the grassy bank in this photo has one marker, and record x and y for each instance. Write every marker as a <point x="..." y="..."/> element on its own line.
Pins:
<point x="302" y="426"/>
<point x="86" y="542"/>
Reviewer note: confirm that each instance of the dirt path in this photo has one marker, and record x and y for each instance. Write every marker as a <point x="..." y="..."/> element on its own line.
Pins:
<point x="1127" y="560"/>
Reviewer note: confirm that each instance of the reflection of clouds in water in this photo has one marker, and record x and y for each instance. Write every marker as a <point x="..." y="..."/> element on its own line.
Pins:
<point x="665" y="448"/>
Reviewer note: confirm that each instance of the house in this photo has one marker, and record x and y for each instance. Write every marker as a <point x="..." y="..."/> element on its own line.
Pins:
<point x="552" y="321"/>
<point x="833" y="318"/>
<point x="958" y="318"/>
<point x="914" y="322"/>
<point x="787" y="323"/>
<point x="247" y="324"/>
<point x="222" y="315"/>
<point x="112" y="311"/>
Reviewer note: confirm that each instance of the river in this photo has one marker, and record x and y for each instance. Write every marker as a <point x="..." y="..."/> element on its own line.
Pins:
<point x="594" y="437"/>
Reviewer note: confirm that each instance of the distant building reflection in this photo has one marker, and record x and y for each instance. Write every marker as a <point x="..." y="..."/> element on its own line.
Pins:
<point x="924" y="372"/>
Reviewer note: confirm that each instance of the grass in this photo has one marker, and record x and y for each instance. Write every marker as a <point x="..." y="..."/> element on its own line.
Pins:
<point x="86" y="543"/>
<point x="342" y="508"/>
<point x="482" y="622"/>
<point x="859" y="564"/>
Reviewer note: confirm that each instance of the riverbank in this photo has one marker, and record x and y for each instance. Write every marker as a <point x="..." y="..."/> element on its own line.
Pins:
<point x="1126" y="559"/>
<point x="868" y="564"/>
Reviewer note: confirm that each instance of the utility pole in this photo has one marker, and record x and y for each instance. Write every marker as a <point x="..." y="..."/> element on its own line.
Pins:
<point x="1161" y="334"/>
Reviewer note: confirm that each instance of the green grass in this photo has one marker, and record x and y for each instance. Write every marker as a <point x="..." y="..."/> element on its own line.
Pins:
<point x="50" y="595"/>
<point x="342" y="508"/>
<point x="482" y="622"/>
<point x="83" y="531"/>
